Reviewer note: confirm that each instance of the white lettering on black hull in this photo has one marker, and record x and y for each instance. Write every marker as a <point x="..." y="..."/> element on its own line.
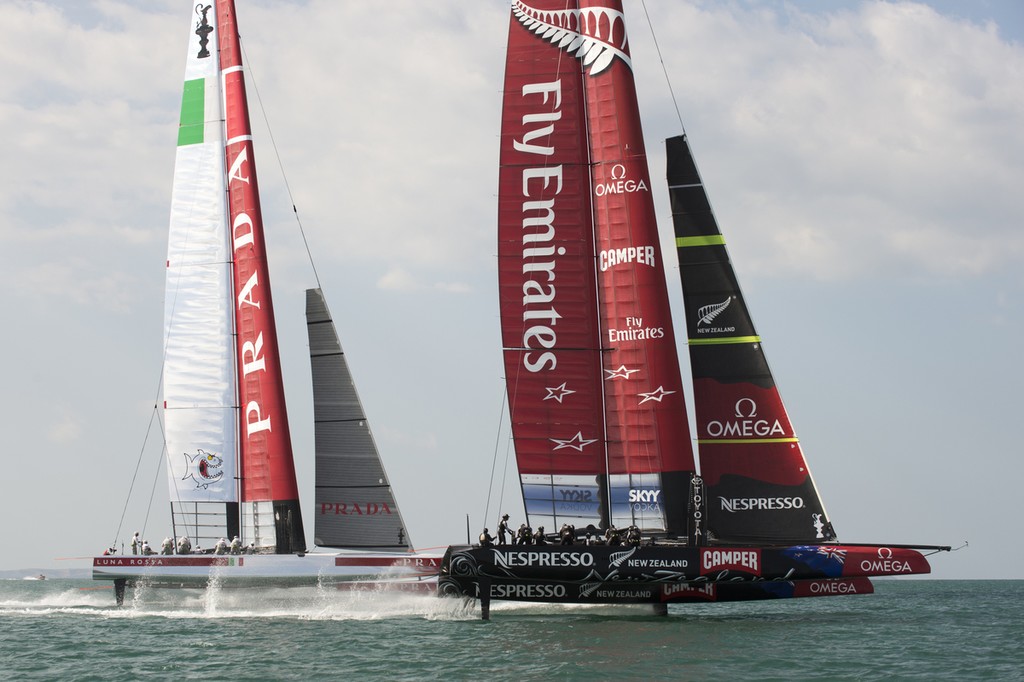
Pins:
<point x="550" y="559"/>
<point x="527" y="591"/>
<point x="735" y="504"/>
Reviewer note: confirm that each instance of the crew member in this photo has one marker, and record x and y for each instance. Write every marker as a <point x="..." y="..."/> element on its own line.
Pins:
<point x="485" y="539"/>
<point x="538" y="537"/>
<point x="503" y="529"/>
<point x="184" y="545"/>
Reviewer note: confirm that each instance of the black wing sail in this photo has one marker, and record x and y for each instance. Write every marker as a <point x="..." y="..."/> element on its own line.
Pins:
<point x="759" y="488"/>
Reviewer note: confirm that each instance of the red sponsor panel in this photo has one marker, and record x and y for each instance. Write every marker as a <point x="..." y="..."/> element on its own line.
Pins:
<point x="744" y="430"/>
<point x="268" y="472"/>
<point x="776" y="463"/>
<point x="167" y="561"/>
<point x="869" y="561"/>
<point x="832" y="587"/>
<point x="739" y="411"/>
<point x="741" y="559"/>
<point x="546" y="277"/>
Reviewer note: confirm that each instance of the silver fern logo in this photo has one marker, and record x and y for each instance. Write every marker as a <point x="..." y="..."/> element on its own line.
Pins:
<point x="594" y="35"/>
<point x="706" y="314"/>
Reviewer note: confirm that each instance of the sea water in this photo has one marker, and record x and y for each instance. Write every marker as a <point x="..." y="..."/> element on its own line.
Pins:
<point x="908" y="629"/>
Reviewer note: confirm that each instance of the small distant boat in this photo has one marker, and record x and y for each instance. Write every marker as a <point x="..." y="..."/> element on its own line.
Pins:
<point x="595" y="390"/>
<point x="231" y="470"/>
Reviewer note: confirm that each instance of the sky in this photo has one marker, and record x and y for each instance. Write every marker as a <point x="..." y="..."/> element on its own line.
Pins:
<point x="864" y="160"/>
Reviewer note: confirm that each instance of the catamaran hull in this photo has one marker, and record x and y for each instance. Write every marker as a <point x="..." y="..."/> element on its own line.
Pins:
<point x="260" y="570"/>
<point x="661" y="574"/>
<point x="641" y="592"/>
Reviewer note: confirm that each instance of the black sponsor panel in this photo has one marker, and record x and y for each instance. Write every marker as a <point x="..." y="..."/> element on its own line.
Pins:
<point x="731" y="363"/>
<point x="714" y="305"/>
<point x="676" y="506"/>
<point x="691" y="210"/>
<point x="744" y="510"/>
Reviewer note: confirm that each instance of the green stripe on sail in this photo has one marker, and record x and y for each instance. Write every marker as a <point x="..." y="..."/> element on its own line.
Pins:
<point x="193" y="110"/>
<point x="724" y="340"/>
<point x="703" y="240"/>
<point x="730" y="441"/>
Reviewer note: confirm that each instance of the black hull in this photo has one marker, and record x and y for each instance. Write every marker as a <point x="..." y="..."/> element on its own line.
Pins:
<point x="668" y="573"/>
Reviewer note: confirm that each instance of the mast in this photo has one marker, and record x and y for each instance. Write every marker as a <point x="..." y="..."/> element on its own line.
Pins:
<point x="759" y="487"/>
<point x="269" y="492"/>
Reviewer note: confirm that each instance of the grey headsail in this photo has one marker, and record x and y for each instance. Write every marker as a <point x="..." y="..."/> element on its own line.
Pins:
<point x="355" y="506"/>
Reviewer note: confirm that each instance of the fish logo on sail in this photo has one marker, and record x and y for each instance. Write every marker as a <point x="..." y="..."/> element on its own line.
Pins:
<point x="579" y="32"/>
<point x="204" y="468"/>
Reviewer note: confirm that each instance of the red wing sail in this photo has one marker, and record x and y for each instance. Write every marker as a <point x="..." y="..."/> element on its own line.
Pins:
<point x="759" y="488"/>
<point x="593" y="377"/>
<point x="270" y="497"/>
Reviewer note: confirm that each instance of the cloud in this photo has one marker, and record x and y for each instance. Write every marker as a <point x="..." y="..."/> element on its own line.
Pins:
<point x="842" y="142"/>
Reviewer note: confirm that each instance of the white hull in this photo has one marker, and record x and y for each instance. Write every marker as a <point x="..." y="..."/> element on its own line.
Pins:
<point x="198" y="570"/>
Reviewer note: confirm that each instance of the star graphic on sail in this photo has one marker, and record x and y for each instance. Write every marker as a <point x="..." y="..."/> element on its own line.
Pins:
<point x="558" y="392"/>
<point x="621" y="373"/>
<point x="656" y="394"/>
<point x="577" y="442"/>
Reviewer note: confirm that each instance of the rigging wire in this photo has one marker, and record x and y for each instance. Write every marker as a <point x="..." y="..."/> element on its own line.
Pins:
<point x="494" y="461"/>
<point x="664" y="69"/>
<point x="138" y="464"/>
<point x="152" y="492"/>
<point x="280" y="164"/>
